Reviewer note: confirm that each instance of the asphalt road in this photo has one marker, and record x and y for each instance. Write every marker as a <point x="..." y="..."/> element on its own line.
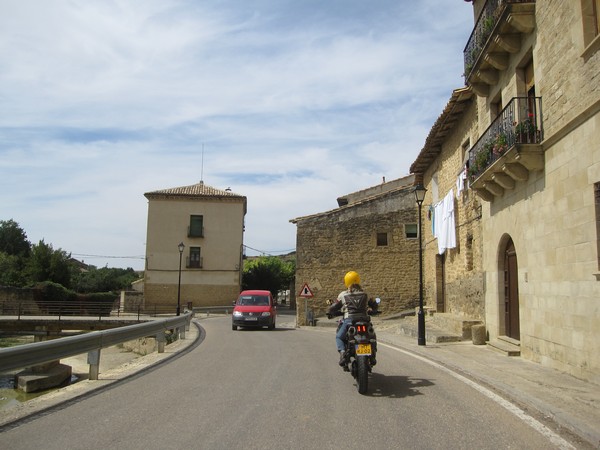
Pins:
<point x="280" y="389"/>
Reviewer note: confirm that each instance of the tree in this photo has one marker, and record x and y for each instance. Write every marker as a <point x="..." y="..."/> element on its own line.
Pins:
<point x="104" y="279"/>
<point x="267" y="272"/>
<point x="47" y="264"/>
<point x="13" y="240"/>
<point x="11" y="270"/>
<point x="14" y="251"/>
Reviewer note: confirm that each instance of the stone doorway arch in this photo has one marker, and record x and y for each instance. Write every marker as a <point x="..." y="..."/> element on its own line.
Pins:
<point x="508" y="277"/>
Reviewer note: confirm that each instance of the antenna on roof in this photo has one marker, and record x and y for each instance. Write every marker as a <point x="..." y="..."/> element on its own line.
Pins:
<point x="202" y="166"/>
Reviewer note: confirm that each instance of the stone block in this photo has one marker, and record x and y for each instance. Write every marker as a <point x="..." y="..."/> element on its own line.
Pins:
<point x="29" y="381"/>
<point x="478" y="334"/>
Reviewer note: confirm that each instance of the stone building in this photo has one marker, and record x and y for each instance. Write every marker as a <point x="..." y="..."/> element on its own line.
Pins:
<point x="373" y="232"/>
<point x="210" y="224"/>
<point x="534" y="161"/>
<point x="452" y="272"/>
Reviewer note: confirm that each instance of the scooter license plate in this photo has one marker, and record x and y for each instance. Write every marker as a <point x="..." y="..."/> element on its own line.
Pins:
<point x="363" y="349"/>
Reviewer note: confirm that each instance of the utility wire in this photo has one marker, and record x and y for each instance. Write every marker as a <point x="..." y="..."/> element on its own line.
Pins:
<point x="108" y="257"/>
<point x="269" y="252"/>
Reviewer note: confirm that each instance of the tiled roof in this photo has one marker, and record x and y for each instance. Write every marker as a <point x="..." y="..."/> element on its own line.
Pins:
<point x="194" y="190"/>
<point x="361" y="201"/>
<point x="452" y="113"/>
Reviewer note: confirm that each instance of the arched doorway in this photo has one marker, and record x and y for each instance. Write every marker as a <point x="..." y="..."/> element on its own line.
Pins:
<point x="511" y="292"/>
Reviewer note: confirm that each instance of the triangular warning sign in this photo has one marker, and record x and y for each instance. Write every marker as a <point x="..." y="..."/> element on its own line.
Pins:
<point x="305" y="291"/>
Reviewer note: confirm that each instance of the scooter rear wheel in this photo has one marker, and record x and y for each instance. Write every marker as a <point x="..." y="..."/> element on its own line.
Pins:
<point x="362" y="374"/>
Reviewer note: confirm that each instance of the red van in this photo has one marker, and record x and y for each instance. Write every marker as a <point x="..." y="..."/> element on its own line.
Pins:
<point x="254" y="309"/>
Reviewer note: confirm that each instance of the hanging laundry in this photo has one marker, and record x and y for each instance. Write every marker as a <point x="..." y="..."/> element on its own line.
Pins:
<point x="460" y="181"/>
<point x="445" y="229"/>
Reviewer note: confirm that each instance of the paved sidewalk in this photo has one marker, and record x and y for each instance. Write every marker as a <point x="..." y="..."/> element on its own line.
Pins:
<point x="556" y="399"/>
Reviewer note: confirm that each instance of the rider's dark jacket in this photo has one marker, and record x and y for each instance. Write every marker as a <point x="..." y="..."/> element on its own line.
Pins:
<point x="354" y="305"/>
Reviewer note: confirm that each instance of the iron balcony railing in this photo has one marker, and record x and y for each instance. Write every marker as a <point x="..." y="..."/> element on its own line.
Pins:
<point x="520" y="123"/>
<point x="488" y="18"/>
<point x="194" y="262"/>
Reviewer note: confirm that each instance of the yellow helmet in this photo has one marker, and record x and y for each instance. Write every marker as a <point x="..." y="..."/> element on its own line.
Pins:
<point x="351" y="278"/>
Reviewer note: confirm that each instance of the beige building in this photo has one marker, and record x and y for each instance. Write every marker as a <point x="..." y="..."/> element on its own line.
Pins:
<point x="534" y="162"/>
<point x="453" y="279"/>
<point x="210" y="224"/>
<point x="374" y="232"/>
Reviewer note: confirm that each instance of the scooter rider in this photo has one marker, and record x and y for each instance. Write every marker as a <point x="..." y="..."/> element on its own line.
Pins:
<point x="354" y="304"/>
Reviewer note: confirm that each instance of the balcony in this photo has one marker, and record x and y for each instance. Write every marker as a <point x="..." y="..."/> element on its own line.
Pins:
<point x="497" y="34"/>
<point x="509" y="150"/>
<point x="194" y="262"/>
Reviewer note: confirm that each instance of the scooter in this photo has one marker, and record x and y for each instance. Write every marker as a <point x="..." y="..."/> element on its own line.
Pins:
<point x="361" y="350"/>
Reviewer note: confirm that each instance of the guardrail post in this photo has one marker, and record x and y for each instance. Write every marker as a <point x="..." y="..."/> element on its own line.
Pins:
<point x="93" y="360"/>
<point x="160" y="340"/>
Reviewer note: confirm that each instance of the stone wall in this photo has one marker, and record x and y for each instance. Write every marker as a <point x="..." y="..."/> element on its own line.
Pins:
<point x="454" y="282"/>
<point x="131" y="301"/>
<point x="332" y="243"/>
<point x="551" y="216"/>
<point x="198" y="295"/>
<point x="17" y="300"/>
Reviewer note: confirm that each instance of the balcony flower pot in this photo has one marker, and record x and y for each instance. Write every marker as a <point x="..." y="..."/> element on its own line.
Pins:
<point x="526" y="132"/>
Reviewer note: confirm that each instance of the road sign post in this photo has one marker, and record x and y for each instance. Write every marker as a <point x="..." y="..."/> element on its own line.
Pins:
<point x="305" y="293"/>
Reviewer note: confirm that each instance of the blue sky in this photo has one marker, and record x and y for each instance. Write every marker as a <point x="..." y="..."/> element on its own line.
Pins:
<point x="295" y="103"/>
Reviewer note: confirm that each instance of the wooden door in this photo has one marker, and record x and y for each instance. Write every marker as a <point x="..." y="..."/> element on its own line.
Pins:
<point x="511" y="292"/>
<point x="440" y="263"/>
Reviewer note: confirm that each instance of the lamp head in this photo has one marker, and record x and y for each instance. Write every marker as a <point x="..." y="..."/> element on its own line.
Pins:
<point x="420" y="193"/>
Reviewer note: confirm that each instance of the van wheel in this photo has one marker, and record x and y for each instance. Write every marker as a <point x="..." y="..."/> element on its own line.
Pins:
<point x="234" y="327"/>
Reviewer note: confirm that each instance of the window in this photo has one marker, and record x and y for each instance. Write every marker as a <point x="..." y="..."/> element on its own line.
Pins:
<point x="435" y="195"/>
<point x="496" y="107"/>
<point x="530" y="80"/>
<point x="411" y="230"/>
<point x="590" y="12"/>
<point x="195" y="260"/>
<point x="382" y="239"/>
<point x="196" y="228"/>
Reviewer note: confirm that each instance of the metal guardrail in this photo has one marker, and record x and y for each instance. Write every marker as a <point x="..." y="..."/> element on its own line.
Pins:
<point x="213" y="309"/>
<point x="28" y="355"/>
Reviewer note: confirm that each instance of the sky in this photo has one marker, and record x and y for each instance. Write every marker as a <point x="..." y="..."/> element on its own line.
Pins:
<point x="289" y="103"/>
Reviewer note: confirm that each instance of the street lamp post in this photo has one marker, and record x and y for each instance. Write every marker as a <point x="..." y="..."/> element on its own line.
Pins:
<point x="180" y="247"/>
<point x="420" y="196"/>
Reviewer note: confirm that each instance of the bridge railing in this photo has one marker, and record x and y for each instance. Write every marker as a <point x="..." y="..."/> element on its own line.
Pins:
<point x="28" y="355"/>
<point x="23" y="308"/>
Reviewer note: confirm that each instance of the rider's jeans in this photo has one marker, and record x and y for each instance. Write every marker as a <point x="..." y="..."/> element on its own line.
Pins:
<point x="340" y="336"/>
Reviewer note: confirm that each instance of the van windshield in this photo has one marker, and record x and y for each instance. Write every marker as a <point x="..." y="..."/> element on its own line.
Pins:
<point x="255" y="300"/>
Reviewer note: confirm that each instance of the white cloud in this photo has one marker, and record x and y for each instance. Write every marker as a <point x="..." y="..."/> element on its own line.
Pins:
<point x="295" y="103"/>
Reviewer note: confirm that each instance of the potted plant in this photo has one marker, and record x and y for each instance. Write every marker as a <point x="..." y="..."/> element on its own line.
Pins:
<point x="500" y="145"/>
<point x="482" y="158"/>
<point x="526" y="131"/>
